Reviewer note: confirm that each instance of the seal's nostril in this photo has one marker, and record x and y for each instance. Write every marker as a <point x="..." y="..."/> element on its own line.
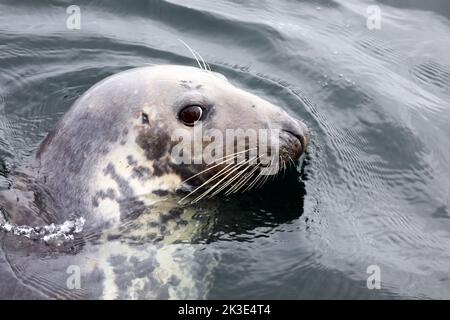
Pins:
<point x="299" y="130"/>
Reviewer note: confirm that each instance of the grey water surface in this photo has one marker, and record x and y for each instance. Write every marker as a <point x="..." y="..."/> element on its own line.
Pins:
<point x="376" y="179"/>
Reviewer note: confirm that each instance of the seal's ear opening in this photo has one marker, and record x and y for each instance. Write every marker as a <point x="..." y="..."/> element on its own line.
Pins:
<point x="145" y="118"/>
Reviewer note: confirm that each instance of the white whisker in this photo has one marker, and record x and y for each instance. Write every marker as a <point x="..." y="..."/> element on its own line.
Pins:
<point x="264" y="180"/>
<point x="192" y="52"/>
<point x="238" y="185"/>
<point x="236" y="167"/>
<point x="203" y="61"/>
<point x="256" y="179"/>
<point x="233" y="178"/>
<point x="206" y="182"/>
<point x="218" y="164"/>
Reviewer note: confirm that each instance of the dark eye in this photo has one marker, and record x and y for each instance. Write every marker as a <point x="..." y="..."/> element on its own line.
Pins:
<point x="190" y="114"/>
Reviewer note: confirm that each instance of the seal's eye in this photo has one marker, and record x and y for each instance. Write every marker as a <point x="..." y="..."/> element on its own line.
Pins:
<point x="189" y="115"/>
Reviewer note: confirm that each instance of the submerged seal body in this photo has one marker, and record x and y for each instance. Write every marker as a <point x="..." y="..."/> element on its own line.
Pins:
<point x="110" y="157"/>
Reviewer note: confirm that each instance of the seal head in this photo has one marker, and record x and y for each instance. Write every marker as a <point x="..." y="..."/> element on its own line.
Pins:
<point x="116" y="144"/>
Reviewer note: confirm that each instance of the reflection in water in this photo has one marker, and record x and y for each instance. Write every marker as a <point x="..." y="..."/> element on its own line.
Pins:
<point x="139" y="260"/>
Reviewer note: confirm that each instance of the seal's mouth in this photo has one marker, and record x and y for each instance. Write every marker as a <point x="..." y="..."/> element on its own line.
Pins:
<point x="250" y="163"/>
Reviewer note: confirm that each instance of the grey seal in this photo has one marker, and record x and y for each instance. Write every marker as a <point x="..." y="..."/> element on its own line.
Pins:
<point x="109" y="161"/>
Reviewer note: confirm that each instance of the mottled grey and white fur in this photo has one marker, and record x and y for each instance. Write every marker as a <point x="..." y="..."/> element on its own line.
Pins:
<point x="108" y="161"/>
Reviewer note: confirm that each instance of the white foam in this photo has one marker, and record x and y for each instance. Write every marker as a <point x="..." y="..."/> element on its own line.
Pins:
<point x="53" y="233"/>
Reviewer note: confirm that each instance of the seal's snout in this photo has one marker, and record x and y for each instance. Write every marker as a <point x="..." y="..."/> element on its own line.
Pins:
<point x="291" y="146"/>
<point x="295" y="139"/>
